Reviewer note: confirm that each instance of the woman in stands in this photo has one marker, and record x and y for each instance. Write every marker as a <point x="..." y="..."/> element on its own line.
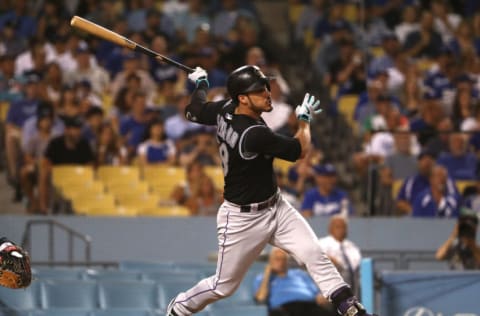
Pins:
<point x="109" y="149"/>
<point x="205" y="198"/>
<point x="156" y="149"/>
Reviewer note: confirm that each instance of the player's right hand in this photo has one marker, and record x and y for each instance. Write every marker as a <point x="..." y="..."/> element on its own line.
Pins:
<point x="308" y="107"/>
<point x="198" y="76"/>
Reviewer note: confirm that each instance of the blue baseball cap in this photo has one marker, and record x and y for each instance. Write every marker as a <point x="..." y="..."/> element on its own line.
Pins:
<point x="325" y="170"/>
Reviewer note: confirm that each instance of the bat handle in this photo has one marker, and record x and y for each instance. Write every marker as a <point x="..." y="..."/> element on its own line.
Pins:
<point x="149" y="52"/>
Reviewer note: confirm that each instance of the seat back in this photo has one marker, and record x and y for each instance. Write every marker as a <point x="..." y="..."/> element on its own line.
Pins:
<point x="69" y="294"/>
<point x="242" y="310"/>
<point x="128" y="294"/>
<point x="20" y="299"/>
<point x="112" y="275"/>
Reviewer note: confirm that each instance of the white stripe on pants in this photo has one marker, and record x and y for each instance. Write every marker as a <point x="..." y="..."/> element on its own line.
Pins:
<point x="243" y="236"/>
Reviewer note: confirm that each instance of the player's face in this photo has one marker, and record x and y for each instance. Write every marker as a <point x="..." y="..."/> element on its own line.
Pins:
<point x="260" y="101"/>
<point x="278" y="261"/>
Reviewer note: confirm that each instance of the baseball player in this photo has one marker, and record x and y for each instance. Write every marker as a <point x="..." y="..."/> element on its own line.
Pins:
<point x="254" y="212"/>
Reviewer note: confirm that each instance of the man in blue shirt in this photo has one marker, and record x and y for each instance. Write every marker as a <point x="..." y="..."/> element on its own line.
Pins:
<point x="288" y="292"/>
<point x="416" y="184"/>
<point x="436" y="200"/>
<point x="325" y="199"/>
<point x="461" y="165"/>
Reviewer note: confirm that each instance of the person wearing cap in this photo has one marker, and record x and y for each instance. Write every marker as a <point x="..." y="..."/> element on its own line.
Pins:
<point x="414" y="185"/>
<point x="408" y="24"/>
<point x="69" y="148"/>
<point x="391" y="49"/>
<point x="34" y="144"/>
<point x="325" y="199"/>
<point x="461" y="249"/>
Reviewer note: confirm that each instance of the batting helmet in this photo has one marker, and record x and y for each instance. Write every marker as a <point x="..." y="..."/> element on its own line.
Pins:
<point x="246" y="79"/>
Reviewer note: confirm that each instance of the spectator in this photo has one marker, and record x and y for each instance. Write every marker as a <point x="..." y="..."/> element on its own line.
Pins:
<point x="33" y="150"/>
<point x="445" y="21"/>
<point x="161" y="71"/>
<point x="224" y="20"/>
<point x="109" y="148"/>
<point x="131" y="65"/>
<point x="202" y="148"/>
<point x="391" y="50"/>
<point x="463" y="109"/>
<point x="24" y="61"/>
<point x="156" y="149"/>
<point x="343" y="253"/>
<point x="183" y="191"/>
<point x="463" y="44"/>
<point x="205" y="199"/>
<point x="414" y="185"/>
<point x="301" y="176"/>
<point x="278" y="117"/>
<point x="54" y="82"/>
<point x="124" y="98"/>
<point x="461" y="165"/>
<point x="93" y="122"/>
<point x="25" y="25"/>
<point x="86" y="70"/>
<point x="388" y="10"/>
<point x="177" y="125"/>
<point x="307" y="20"/>
<point x="288" y="292"/>
<point x="134" y="125"/>
<point x="18" y="113"/>
<point x="62" y="54"/>
<point x="326" y="199"/>
<point x="348" y="70"/>
<point x="69" y="148"/>
<point x="288" y="191"/>
<point x="157" y="23"/>
<point x="9" y="43"/>
<point x="425" y="42"/>
<point x="408" y="25"/>
<point x="187" y="22"/>
<point x="461" y="249"/>
<point x="436" y="200"/>
<point x="10" y="87"/>
<point x="402" y="163"/>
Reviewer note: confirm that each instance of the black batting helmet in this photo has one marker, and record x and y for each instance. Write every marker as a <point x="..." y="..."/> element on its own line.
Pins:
<point x="246" y="79"/>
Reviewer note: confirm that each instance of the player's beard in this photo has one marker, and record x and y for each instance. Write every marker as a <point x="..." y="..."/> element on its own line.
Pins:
<point x="268" y="107"/>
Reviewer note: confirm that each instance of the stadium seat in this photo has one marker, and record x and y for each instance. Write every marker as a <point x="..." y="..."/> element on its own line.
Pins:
<point x="463" y="184"/>
<point x="118" y="174"/>
<point x="69" y="174"/>
<point x="69" y="294"/>
<point x="108" y="210"/>
<point x="174" y="210"/>
<point x="58" y="273"/>
<point x="21" y="299"/>
<point x="397" y="184"/>
<point x="123" y="312"/>
<point x="163" y="179"/>
<point x="166" y="276"/>
<point x="216" y="173"/>
<point x="73" y="191"/>
<point x="128" y="294"/>
<point x="139" y="202"/>
<point x="168" y="290"/>
<point x="282" y="165"/>
<point x="346" y="106"/>
<point x="8" y="312"/>
<point x="98" y="201"/>
<point x="61" y="312"/>
<point x="250" y="310"/>
<point x="113" y="275"/>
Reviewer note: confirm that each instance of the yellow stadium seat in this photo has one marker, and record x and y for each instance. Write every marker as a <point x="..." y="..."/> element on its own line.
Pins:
<point x="68" y="174"/>
<point x="346" y="106"/>
<point x="350" y="12"/>
<point x="4" y="107"/>
<point x="216" y="173"/>
<point x="128" y="188"/>
<point x="377" y="51"/>
<point x="83" y="205"/>
<point x="425" y="64"/>
<point x="111" y="211"/>
<point x="463" y="184"/>
<point x="118" y="174"/>
<point x="163" y="179"/>
<point x="282" y="165"/>
<point x="166" y="211"/>
<point x="397" y="184"/>
<point x="84" y="189"/>
<point x="139" y="201"/>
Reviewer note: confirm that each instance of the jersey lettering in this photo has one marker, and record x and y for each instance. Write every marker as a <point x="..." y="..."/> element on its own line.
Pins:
<point x="226" y="132"/>
<point x="223" y="151"/>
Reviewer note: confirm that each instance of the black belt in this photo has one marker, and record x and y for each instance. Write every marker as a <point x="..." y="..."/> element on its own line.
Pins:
<point x="260" y="206"/>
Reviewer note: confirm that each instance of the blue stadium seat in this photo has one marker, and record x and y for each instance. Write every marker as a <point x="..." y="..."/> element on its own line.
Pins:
<point x="58" y="273"/>
<point x="114" y="275"/>
<point x="9" y="312"/>
<point x="21" y="299"/>
<point x="170" y="276"/>
<point x="70" y="294"/>
<point x="145" y="265"/>
<point x="128" y="294"/>
<point x="168" y="290"/>
<point x="122" y="312"/>
<point x="61" y="312"/>
<point x="251" y="310"/>
<point x="162" y="313"/>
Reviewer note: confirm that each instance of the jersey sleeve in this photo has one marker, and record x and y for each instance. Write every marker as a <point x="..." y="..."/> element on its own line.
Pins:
<point x="260" y="139"/>
<point x="201" y="111"/>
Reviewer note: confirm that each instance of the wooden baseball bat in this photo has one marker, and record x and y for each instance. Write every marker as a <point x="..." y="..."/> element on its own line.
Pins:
<point x="109" y="35"/>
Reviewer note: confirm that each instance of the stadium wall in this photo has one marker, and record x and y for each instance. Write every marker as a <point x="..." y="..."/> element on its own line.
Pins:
<point x="192" y="239"/>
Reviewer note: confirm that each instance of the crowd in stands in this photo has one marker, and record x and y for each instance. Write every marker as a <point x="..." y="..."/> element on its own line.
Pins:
<point x="414" y="67"/>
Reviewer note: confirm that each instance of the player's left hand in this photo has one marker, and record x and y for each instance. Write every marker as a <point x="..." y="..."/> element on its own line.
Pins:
<point x="308" y="107"/>
<point x="15" y="269"/>
<point x="198" y="76"/>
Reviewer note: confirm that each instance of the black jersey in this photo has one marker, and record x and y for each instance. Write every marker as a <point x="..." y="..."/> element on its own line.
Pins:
<point x="247" y="148"/>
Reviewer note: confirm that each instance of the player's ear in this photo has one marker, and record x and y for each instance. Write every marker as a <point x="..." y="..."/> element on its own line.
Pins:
<point x="242" y="98"/>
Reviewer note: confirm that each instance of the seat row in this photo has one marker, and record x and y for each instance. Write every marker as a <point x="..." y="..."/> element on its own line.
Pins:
<point x="124" y="190"/>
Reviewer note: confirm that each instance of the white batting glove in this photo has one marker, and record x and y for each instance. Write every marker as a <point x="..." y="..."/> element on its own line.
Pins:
<point x="308" y="107"/>
<point x="198" y="76"/>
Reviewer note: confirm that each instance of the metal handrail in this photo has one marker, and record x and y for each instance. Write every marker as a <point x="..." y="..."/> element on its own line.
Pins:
<point x="26" y="240"/>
